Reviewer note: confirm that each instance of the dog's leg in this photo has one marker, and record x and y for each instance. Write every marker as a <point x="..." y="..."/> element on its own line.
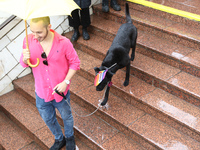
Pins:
<point x="133" y="46"/>
<point x="126" y="82"/>
<point x="133" y="54"/>
<point x="106" y="96"/>
<point x="133" y="51"/>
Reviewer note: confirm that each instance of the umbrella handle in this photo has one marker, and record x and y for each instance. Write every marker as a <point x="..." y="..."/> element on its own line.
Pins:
<point x="28" y="61"/>
<point x="31" y="65"/>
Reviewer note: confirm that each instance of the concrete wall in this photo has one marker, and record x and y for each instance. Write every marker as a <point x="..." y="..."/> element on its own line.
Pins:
<point x="11" y="38"/>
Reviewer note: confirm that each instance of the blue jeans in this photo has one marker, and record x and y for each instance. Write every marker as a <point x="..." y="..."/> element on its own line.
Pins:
<point x="48" y="114"/>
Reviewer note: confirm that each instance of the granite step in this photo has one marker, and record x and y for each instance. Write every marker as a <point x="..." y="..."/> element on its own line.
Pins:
<point x="97" y="128"/>
<point x="154" y="72"/>
<point x="150" y="113"/>
<point x="25" y="115"/>
<point x="1" y="147"/>
<point x="145" y="129"/>
<point x="12" y="137"/>
<point x="159" y="26"/>
<point x="162" y="105"/>
<point x="176" y="55"/>
<point x="92" y="131"/>
<point x="187" y="6"/>
<point x="121" y="126"/>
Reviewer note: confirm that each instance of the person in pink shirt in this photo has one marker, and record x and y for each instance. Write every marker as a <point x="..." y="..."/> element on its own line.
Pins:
<point x="58" y="63"/>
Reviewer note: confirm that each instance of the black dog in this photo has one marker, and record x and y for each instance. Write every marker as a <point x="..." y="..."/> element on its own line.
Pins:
<point x="117" y="56"/>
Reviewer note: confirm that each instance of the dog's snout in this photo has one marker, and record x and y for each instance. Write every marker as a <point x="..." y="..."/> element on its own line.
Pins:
<point x="98" y="89"/>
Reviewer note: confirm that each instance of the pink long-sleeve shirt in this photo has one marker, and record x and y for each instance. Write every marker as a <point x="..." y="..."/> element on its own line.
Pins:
<point x="61" y="58"/>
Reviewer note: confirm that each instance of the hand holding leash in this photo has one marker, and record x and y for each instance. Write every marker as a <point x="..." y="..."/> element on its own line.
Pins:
<point x="61" y="94"/>
<point x="60" y="87"/>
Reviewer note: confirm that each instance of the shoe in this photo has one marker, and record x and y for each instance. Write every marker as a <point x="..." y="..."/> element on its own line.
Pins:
<point x="114" y="5"/>
<point x="85" y="34"/>
<point x="58" y="144"/>
<point x="76" y="35"/>
<point x="105" y="7"/>
<point x="70" y="143"/>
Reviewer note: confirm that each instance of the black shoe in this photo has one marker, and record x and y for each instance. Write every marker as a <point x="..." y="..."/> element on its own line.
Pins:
<point x="75" y="36"/>
<point x="105" y="7"/>
<point x="58" y="144"/>
<point x="85" y="34"/>
<point x="70" y="143"/>
<point x="114" y="5"/>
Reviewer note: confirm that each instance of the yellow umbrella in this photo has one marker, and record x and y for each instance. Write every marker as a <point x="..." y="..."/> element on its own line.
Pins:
<point x="28" y="9"/>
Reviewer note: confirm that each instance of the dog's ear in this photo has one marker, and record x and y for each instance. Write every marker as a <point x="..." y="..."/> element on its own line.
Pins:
<point x="96" y="70"/>
<point x="109" y="74"/>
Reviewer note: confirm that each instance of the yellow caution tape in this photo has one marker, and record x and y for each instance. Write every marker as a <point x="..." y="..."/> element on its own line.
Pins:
<point x="167" y="9"/>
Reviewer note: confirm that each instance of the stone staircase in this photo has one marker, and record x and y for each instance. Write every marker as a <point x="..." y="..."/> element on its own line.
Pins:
<point x="160" y="109"/>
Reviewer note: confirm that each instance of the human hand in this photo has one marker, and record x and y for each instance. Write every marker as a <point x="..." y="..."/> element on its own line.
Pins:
<point x="26" y="55"/>
<point x="61" y="87"/>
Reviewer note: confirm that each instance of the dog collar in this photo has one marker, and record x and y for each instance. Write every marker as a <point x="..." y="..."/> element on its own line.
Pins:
<point x="101" y="75"/>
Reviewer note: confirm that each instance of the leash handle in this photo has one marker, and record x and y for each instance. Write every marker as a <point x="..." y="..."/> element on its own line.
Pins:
<point x="61" y="94"/>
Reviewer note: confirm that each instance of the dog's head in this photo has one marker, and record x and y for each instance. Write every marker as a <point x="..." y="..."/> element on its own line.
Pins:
<point x="107" y="78"/>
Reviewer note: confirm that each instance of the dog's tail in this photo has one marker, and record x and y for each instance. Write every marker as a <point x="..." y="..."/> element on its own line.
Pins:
<point x="128" y="17"/>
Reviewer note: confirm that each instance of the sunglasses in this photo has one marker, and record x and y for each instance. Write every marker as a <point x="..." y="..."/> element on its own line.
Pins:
<point x="43" y="55"/>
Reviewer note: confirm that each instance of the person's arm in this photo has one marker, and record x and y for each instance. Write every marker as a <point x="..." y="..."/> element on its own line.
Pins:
<point x="61" y="87"/>
<point x="74" y="65"/>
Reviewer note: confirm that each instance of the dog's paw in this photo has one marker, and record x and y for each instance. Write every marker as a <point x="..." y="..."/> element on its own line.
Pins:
<point x="126" y="83"/>
<point x="106" y="106"/>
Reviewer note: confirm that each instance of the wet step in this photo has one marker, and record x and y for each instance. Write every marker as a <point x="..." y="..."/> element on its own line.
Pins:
<point x="186" y="83"/>
<point x="160" y="104"/>
<point x="12" y="137"/>
<point x="159" y="26"/>
<point x="91" y="132"/>
<point x="189" y="6"/>
<point x="25" y="115"/>
<point x="145" y="129"/>
<point x="1" y="147"/>
<point x="173" y="54"/>
<point x="96" y="128"/>
<point x="176" y="55"/>
<point x="80" y="87"/>
<point x="150" y="70"/>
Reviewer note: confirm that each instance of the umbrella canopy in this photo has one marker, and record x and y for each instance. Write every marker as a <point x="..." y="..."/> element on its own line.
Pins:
<point x="28" y="9"/>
